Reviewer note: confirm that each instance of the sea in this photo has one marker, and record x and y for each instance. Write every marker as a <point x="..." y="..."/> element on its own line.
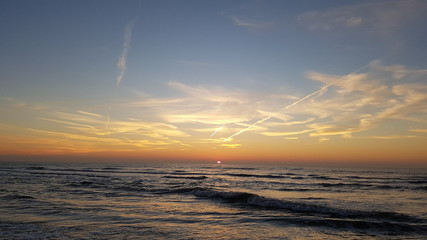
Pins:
<point x="209" y="201"/>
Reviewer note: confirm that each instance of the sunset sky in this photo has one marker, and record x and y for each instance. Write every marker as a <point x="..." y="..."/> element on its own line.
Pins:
<point x="330" y="80"/>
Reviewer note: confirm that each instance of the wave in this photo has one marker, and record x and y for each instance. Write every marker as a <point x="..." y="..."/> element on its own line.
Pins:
<point x="354" y="177"/>
<point x="246" y="199"/>
<point x="83" y="183"/>
<point x="35" y="168"/>
<point x="17" y="197"/>
<point x="337" y="185"/>
<point x="315" y="176"/>
<point x="424" y="188"/>
<point x="418" y="181"/>
<point x="239" y="168"/>
<point x="361" y="225"/>
<point x="307" y="214"/>
<point x="111" y="168"/>
<point x="297" y="189"/>
<point x="181" y="172"/>
<point x="122" y="171"/>
<point x="255" y="175"/>
<point x="186" y="177"/>
<point x="69" y="174"/>
<point x="363" y="186"/>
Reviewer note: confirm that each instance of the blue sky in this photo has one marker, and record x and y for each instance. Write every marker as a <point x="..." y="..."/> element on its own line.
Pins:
<point x="167" y="75"/>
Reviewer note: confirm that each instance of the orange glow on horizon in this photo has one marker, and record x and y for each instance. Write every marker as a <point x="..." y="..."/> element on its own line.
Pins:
<point x="139" y="92"/>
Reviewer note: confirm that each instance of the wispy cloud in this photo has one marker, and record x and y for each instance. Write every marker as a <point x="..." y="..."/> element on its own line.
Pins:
<point x="344" y="105"/>
<point x="386" y="20"/>
<point x="90" y="114"/>
<point x="88" y="127"/>
<point x="349" y="106"/>
<point x="251" y="24"/>
<point x="210" y="108"/>
<point x="282" y="110"/>
<point x="227" y="145"/>
<point x="332" y="19"/>
<point x="275" y="134"/>
<point x="353" y="103"/>
<point x="290" y="123"/>
<point x="419" y="130"/>
<point x="121" y="64"/>
<point x="391" y="137"/>
<point x="363" y="101"/>
<point x="323" y="139"/>
<point x="93" y="143"/>
<point x="19" y="104"/>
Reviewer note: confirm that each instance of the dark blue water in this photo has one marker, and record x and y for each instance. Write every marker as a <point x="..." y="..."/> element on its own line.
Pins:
<point x="209" y="201"/>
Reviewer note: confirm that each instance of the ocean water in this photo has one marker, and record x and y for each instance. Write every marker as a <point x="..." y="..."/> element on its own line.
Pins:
<point x="209" y="201"/>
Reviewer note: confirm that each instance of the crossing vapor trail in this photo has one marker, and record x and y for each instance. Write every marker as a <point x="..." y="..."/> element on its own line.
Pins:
<point x="285" y="108"/>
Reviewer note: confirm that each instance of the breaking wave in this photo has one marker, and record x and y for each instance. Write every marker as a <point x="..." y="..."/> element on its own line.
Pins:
<point x="312" y="214"/>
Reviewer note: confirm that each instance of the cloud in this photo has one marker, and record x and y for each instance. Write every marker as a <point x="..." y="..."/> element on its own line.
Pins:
<point x="69" y="123"/>
<point x="380" y="15"/>
<point x="287" y="123"/>
<point x="121" y="64"/>
<point x="351" y="103"/>
<point x="90" y="114"/>
<point x="19" y="104"/>
<point x="332" y="19"/>
<point x="275" y="115"/>
<point x="281" y="134"/>
<point x="419" y="130"/>
<point x="344" y="105"/>
<point x="206" y="108"/>
<point x="89" y="127"/>
<point x="154" y="102"/>
<point x="363" y="101"/>
<point x="204" y="104"/>
<point x="65" y="141"/>
<point x="386" y="20"/>
<point x="392" y="137"/>
<point x="323" y="139"/>
<point x="251" y="24"/>
<point x="261" y="121"/>
<point x="226" y="145"/>
<point x="204" y="117"/>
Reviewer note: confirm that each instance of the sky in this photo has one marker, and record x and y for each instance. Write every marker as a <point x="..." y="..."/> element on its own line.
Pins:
<point x="233" y="80"/>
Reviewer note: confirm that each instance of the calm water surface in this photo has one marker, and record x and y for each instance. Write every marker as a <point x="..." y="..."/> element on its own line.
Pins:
<point x="209" y="201"/>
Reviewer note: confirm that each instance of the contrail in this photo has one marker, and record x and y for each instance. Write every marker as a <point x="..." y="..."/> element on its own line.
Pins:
<point x="121" y="64"/>
<point x="108" y="117"/>
<point x="217" y="130"/>
<point x="287" y="107"/>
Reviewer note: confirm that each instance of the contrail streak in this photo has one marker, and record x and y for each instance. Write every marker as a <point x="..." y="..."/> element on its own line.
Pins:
<point x="286" y="107"/>
<point x="108" y="117"/>
<point x="283" y="109"/>
<point x="121" y="64"/>
<point x="218" y="129"/>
